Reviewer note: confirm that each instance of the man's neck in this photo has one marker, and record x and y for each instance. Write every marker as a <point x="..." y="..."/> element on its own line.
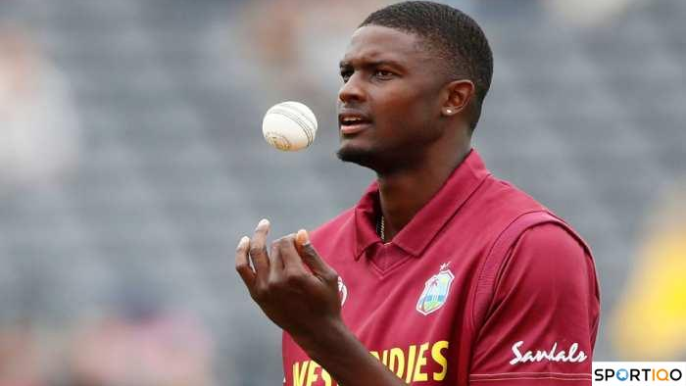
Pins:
<point x="403" y="194"/>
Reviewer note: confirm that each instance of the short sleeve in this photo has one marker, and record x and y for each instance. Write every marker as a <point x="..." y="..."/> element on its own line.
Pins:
<point x="542" y="324"/>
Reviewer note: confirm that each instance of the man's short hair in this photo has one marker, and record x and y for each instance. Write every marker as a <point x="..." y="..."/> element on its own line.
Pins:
<point x="448" y="32"/>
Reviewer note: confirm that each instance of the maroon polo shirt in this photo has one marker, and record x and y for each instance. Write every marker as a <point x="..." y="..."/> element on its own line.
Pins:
<point x="484" y="286"/>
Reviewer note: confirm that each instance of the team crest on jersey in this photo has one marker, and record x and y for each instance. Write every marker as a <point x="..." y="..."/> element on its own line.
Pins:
<point x="436" y="291"/>
<point x="342" y="291"/>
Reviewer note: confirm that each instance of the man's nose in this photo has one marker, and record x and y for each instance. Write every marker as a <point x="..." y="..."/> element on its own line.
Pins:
<point x="352" y="90"/>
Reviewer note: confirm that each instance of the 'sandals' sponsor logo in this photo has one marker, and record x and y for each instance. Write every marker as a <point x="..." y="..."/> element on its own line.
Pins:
<point x="552" y="355"/>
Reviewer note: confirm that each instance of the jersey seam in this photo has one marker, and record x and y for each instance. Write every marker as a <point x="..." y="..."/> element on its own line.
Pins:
<point x="530" y="373"/>
<point x="528" y="378"/>
<point x="547" y="375"/>
<point x="383" y="273"/>
<point x="472" y="318"/>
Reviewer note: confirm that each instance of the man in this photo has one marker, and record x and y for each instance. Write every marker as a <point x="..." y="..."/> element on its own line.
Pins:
<point x="448" y="276"/>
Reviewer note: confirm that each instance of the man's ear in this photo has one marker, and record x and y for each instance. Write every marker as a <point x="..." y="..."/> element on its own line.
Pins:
<point x="459" y="94"/>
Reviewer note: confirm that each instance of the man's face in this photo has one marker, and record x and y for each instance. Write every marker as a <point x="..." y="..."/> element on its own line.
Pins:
<point x="389" y="105"/>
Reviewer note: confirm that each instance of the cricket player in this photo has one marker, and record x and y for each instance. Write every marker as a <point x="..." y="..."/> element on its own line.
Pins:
<point x="441" y="274"/>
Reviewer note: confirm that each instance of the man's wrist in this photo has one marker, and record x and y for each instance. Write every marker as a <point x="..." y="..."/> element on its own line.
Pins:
<point x="325" y="338"/>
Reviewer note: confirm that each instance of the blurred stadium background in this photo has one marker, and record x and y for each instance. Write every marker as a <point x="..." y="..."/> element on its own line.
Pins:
<point x="131" y="161"/>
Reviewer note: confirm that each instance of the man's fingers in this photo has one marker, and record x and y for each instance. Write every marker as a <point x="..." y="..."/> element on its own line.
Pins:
<point x="290" y="255"/>
<point x="311" y="257"/>
<point x="275" y="261"/>
<point x="243" y="264"/>
<point x="258" y="249"/>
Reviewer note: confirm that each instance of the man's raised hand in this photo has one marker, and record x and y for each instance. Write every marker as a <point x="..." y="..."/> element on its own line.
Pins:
<point x="292" y="285"/>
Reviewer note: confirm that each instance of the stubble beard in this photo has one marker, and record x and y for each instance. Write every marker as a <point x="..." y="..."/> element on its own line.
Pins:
<point x="380" y="160"/>
<point x="358" y="156"/>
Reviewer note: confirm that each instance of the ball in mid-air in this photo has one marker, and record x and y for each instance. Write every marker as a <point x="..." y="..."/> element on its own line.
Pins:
<point x="289" y="126"/>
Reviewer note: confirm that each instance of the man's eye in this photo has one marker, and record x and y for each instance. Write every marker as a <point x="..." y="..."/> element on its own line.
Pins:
<point x="383" y="74"/>
<point x="345" y="75"/>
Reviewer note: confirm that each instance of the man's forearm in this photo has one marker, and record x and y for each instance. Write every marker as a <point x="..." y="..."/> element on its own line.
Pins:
<point x="343" y="356"/>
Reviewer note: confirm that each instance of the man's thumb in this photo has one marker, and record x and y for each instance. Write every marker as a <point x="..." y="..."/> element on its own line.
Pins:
<point x="310" y="255"/>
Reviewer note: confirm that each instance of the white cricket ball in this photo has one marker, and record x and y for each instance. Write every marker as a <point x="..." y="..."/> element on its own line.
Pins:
<point x="289" y="126"/>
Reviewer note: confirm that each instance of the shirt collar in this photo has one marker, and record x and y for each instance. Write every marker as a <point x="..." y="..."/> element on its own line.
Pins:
<point x="425" y="225"/>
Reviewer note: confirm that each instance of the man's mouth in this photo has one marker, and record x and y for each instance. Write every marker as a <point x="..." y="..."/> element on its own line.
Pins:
<point x="353" y="123"/>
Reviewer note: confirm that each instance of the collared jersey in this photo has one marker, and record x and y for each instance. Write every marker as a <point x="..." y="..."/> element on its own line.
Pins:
<point x="484" y="286"/>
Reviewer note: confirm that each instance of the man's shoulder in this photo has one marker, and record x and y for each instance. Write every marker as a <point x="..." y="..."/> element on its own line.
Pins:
<point x="501" y="199"/>
<point x="506" y="209"/>
<point x="520" y="212"/>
